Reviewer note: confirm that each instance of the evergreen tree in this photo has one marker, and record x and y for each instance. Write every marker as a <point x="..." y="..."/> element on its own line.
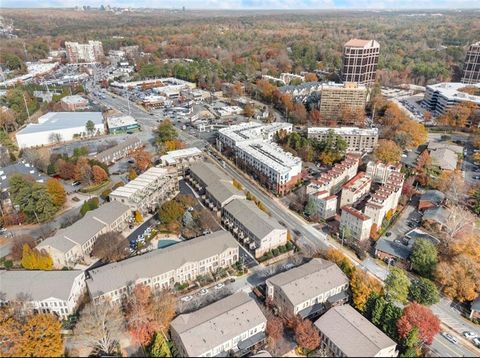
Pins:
<point x="377" y="313"/>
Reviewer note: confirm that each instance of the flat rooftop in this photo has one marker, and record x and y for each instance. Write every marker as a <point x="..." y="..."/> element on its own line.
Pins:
<point x="344" y="131"/>
<point x="172" y="156"/>
<point x="55" y="121"/>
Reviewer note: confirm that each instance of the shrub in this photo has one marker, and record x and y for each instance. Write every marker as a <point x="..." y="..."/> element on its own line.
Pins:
<point x="282" y="249"/>
<point x="289" y="246"/>
<point x="275" y="252"/>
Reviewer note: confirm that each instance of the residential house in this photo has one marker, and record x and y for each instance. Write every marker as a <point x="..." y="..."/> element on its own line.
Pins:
<point x="255" y="228"/>
<point x="338" y="175"/>
<point x="431" y="199"/>
<point x="234" y="325"/>
<point x="355" y="189"/>
<point x="163" y="268"/>
<point x="325" y="204"/>
<point x="354" y="224"/>
<point x="308" y="290"/>
<point x="57" y="292"/>
<point x="345" y="332"/>
<point x="119" y="151"/>
<point x="72" y="244"/>
<point x="147" y="191"/>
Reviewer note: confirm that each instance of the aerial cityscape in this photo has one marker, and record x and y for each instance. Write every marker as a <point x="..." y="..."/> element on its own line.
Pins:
<point x="239" y="179"/>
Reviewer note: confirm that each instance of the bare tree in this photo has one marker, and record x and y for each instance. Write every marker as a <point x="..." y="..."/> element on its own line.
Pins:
<point x="459" y="222"/>
<point x="16" y="250"/>
<point x="110" y="247"/>
<point x="55" y="138"/>
<point x="100" y="328"/>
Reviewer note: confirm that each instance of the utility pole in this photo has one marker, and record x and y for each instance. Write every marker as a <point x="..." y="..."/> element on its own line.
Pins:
<point x="26" y="107"/>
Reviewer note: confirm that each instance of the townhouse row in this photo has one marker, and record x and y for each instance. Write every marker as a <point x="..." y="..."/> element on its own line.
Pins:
<point x="257" y="231"/>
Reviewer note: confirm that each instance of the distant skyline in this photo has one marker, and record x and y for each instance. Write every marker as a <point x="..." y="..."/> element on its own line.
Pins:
<point x="252" y="4"/>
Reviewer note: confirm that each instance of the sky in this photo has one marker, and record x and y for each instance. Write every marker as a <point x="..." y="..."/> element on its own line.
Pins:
<point x="253" y="4"/>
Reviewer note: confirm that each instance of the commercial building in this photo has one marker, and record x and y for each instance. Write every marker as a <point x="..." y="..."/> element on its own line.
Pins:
<point x="163" y="268"/>
<point x="91" y="52"/>
<point x="308" y="290"/>
<point x="234" y="326"/>
<point x="335" y="98"/>
<point x="255" y="228"/>
<point x="355" y="189"/>
<point x="360" y="60"/>
<point x="70" y="245"/>
<point x="344" y="332"/>
<point x="325" y="204"/>
<point x="181" y="159"/>
<point x="471" y="67"/>
<point x="380" y="172"/>
<point x="121" y="124"/>
<point x="440" y="97"/>
<point x="55" y="127"/>
<point x="354" y="224"/>
<point x="250" y="144"/>
<point x="385" y="199"/>
<point x="57" y="292"/>
<point x="358" y="140"/>
<point x="147" y="191"/>
<point x="74" y="103"/>
<point x="333" y="180"/>
<point x="119" y="151"/>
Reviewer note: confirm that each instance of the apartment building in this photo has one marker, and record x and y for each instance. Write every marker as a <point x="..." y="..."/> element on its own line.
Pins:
<point x="471" y="67"/>
<point x="234" y="326"/>
<point x="335" y="98"/>
<point x="332" y="180"/>
<point x="440" y="97"/>
<point x="360" y="60"/>
<point x="250" y="144"/>
<point x="72" y="244"/>
<point x="118" y="151"/>
<point x="162" y="269"/>
<point x="344" y="332"/>
<point x="308" y="290"/>
<point x="256" y="229"/>
<point x="57" y="292"/>
<point x="325" y="204"/>
<point x="362" y="140"/>
<point x="385" y="199"/>
<point x="91" y="52"/>
<point x="379" y="172"/>
<point x="147" y="191"/>
<point x="181" y="159"/>
<point x="355" y="189"/>
<point x="354" y="224"/>
<point x="220" y="194"/>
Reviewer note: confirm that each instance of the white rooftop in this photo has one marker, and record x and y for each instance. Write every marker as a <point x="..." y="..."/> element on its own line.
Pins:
<point x="344" y="130"/>
<point x="62" y="120"/>
<point x="120" y="121"/>
<point x="450" y="90"/>
<point x="75" y="99"/>
<point x="170" y="157"/>
<point x="139" y="183"/>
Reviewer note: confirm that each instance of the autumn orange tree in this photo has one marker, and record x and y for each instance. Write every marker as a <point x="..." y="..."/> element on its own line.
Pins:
<point x="143" y="159"/>
<point x="388" y="151"/>
<point x="56" y="191"/>
<point x="418" y="316"/>
<point x="274" y="329"/>
<point x="306" y="335"/>
<point x="36" y="335"/>
<point x="362" y="286"/>
<point x="99" y="174"/>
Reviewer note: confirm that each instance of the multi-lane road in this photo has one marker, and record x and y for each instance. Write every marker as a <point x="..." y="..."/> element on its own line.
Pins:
<point x="308" y="237"/>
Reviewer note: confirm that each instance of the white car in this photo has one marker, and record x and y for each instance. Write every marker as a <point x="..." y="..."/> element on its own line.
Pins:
<point x="449" y="337"/>
<point x="476" y="341"/>
<point x="218" y="286"/>
<point x="186" y="298"/>
<point x="203" y="292"/>
<point x="470" y="334"/>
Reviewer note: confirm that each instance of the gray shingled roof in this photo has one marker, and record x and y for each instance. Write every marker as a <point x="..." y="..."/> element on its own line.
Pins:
<point x="85" y="228"/>
<point x="392" y="248"/>
<point x="36" y="285"/>
<point x="222" y="191"/>
<point x="439" y="215"/>
<point x="444" y="158"/>
<point x="309" y="280"/>
<point x="124" y="273"/>
<point x="207" y="328"/>
<point x="352" y="333"/>
<point x="208" y="173"/>
<point x="258" y="222"/>
<point x="435" y="196"/>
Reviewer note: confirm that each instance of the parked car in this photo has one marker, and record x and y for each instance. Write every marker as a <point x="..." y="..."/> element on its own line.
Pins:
<point x="203" y="292"/>
<point x="449" y="337"/>
<point x="470" y="335"/>
<point x="186" y="298"/>
<point x="476" y="341"/>
<point x="218" y="286"/>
